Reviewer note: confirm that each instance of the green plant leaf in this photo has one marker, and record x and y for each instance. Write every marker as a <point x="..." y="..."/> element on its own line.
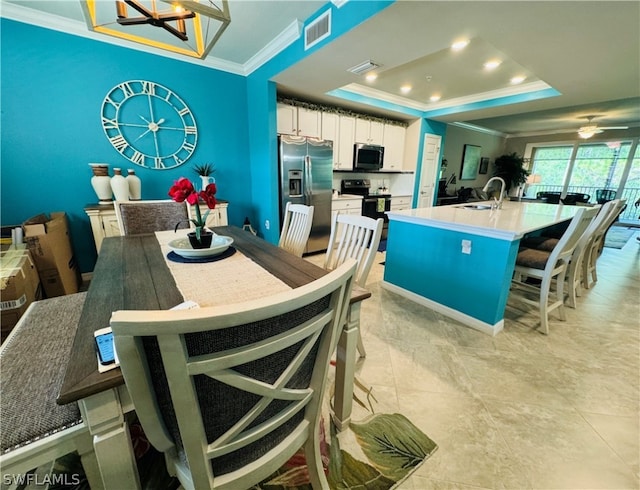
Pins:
<point x="356" y="474"/>
<point x="393" y="444"/>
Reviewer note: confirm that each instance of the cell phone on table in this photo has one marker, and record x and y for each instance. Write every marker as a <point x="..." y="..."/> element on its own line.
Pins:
<point x="104" y="345"/>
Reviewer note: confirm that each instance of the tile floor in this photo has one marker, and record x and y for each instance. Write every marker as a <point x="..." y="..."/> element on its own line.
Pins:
<point x="519" y="410"/>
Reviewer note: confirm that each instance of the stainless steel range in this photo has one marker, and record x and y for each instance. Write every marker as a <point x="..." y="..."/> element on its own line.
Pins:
<point x="374" y="205"/>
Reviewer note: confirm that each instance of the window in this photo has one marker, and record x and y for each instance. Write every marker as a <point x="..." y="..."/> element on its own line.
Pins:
<point x="587" y="167"/>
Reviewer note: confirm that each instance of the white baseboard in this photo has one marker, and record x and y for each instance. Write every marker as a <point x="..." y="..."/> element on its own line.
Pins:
<point x="469" y="321"/>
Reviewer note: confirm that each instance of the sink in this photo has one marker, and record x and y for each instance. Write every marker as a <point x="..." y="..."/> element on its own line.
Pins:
<point x="474" y="206"/>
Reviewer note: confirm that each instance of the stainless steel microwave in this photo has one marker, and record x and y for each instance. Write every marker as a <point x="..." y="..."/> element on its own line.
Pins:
<point x="367" y="157"/>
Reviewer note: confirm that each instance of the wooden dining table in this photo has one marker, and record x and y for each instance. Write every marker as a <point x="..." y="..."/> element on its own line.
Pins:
<point x="132" y="274"/>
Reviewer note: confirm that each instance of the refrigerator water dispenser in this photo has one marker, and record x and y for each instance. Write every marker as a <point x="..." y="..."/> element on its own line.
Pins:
<point x="295" y="183"/>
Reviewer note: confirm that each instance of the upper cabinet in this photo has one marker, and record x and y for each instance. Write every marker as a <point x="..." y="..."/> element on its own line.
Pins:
<point x="340" y="130"/>
<point x="299" y="121"/>
<point x="346" y="130"/>
<point x="346" y="140"/>
<point x="369" y="132"/>
<point x="393" y="143"/>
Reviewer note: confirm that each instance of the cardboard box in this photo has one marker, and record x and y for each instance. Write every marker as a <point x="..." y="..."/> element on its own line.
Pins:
<point x="49" y="243"/>
<point x="20" y="286"/>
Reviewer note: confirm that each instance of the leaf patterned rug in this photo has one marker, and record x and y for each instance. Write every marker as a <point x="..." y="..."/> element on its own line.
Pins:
<point x="384" y="450"/>
<point x="376" y="453"/>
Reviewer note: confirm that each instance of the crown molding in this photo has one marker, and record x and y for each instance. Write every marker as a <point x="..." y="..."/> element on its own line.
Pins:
<point x="479" y="129"/>
<point x="373" y="93"/>
<point x="283" y="40"/>
<point x="77" y="28"/>
<point x="511" y="91"/>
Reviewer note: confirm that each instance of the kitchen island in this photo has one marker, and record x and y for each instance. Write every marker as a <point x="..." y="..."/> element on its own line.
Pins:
<point x="458" y="260"/>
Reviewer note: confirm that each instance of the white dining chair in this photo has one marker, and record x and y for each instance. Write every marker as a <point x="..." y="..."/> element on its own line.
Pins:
<point x="35" y="429"/>
<point x="589" y="272"/>
<point x="230" y="393"/>
<point x="142" y="217"/>
<point x="354" y="237"/>
<point x="575" y="272"/>
<point x="548" y="267"/>
<point x="296" y="227"/>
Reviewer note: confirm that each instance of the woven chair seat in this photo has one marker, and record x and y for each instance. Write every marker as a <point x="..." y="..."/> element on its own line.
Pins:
<point x="531" y="257"/>
<point x="540" y="243"/>
<point x="33" y="361"/>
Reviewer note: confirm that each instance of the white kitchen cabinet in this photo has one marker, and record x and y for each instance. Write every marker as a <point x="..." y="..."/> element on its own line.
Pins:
<point x="400" y="203"/>
<point x="298" y="121"/>
<point x="343" y="159"/>
<point x="105" y="224"/>
<point x="393" y="143"/>
<point x="330" y="129"/>
<point x="369" y="132"/>
<point x="347" y="205"/>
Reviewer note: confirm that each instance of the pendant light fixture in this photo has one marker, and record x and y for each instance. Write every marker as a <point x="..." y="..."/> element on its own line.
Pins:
<point x="155" y="18"/>
<point x="188" y="27"/>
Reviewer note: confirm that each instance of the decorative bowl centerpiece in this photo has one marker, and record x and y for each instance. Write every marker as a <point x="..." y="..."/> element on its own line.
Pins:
<point x="182" y="247"/>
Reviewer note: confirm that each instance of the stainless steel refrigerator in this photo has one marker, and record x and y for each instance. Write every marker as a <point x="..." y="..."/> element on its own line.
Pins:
<point x="306" y="174"/>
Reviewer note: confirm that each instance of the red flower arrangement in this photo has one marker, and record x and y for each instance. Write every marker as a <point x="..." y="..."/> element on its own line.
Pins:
<point x="183" y="190"/>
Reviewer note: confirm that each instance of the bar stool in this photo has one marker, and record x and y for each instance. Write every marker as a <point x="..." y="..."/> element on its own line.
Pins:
<point x="549" y="266"/>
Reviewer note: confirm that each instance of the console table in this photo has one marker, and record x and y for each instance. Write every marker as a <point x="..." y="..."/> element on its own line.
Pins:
<point x="105" y="224"/>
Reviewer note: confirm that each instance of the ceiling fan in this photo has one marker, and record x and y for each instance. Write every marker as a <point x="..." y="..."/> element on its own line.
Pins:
<point x="592" y="128"/>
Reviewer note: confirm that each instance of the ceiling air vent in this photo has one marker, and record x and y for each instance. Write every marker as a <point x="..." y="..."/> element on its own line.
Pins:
<point x="364" y="67"/>
<point x="317" y="30"/>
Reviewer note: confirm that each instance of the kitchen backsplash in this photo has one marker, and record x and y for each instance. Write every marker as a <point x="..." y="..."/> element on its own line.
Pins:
<point x="396" y="184"/>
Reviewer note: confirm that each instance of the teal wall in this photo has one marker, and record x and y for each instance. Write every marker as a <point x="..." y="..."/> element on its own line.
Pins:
<point x="53" y="85"/>
<point x="262" y="110"/>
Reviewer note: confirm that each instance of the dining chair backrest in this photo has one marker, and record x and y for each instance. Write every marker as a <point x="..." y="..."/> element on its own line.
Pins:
<point x="142" y="217"/>
<point x="605" y="195"/>
<point x="230" y="393"/>
<point x="549" y="266"/>
<point x="355" y="237"/>
<point x="567" y="244"/>
<point x="583" y="249"/>
<point x="296" y="228"/>
<point x="589" y="274"/>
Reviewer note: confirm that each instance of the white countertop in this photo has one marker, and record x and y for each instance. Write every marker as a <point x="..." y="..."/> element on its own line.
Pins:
<point x="509" y="223"/>
<point x="344" y="197"/>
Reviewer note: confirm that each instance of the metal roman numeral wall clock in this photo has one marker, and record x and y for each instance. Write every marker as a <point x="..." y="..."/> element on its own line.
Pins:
<point x="149" y="124"/>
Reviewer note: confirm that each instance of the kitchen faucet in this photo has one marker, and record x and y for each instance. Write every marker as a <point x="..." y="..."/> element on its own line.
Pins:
<point x="498" y="202"/>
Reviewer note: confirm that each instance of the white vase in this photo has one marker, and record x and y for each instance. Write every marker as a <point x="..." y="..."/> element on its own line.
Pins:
<point x="101" y="182"/>
<point x="206" y="180"/>
<point x="135" y="185"/>
<point x="119" y="185"/>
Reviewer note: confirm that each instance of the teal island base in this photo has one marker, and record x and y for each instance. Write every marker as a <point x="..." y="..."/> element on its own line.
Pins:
<point x="462" y="275"/>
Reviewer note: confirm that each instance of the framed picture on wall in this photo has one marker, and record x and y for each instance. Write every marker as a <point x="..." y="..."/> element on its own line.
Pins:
<point x="484" y="165"/>
<point x="470" y="162"/>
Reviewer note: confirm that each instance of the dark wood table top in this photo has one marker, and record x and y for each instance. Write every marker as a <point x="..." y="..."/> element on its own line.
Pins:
<point x="131" y="274"/>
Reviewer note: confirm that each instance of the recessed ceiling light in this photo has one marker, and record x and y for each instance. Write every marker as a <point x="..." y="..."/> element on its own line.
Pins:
<point x="492" y="64"/>
<point x="371" y="76"/>
<point x="517" y="80"/>
<point x="405" y="89"/>
<point x="434" y="98"/>
<point x="461" y="44"/>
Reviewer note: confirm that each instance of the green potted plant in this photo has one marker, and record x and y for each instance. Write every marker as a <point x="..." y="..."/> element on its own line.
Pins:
<point x="510" y="168"/>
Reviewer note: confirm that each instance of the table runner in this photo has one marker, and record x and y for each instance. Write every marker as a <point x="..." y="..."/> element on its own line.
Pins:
<point x="231" y="280"/>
